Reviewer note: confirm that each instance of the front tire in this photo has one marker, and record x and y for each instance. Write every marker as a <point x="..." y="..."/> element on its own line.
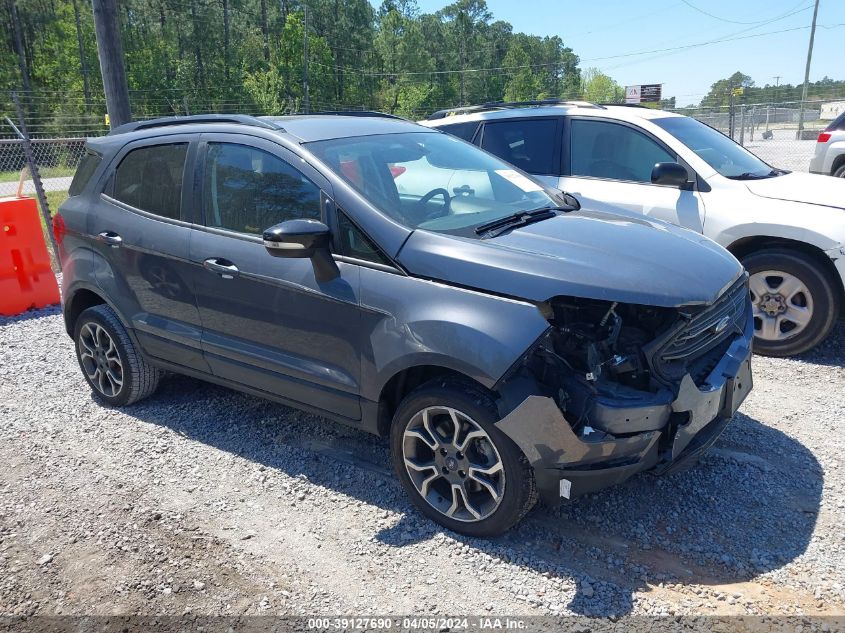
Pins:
<point x="457" y="468"/>
<point x="115" y="370"/>
<point x="795" y="301"/>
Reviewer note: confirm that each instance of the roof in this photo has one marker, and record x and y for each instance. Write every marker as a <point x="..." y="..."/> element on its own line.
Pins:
<point x="316" y="127"/>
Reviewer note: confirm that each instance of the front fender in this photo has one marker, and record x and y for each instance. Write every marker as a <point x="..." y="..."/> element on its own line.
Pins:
<point x="411" y="322"/>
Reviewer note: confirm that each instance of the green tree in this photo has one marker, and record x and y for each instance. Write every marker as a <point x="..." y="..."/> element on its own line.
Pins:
<point x="600" y="88"/>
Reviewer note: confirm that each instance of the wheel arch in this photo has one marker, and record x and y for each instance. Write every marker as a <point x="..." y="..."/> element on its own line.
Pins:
<point x="80" y="300"/>
<point x="401" y="383"/>
<point x="747" y="245"/>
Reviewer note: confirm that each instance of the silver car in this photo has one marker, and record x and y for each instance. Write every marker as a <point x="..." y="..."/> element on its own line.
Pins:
<point x="830" y="150"/>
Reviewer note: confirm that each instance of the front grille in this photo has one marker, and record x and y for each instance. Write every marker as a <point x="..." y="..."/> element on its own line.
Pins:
<point x="720" y="321"/>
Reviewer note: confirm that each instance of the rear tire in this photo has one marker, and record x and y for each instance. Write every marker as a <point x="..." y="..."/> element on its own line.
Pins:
<point x="476" y="481"/>
<point x="839" y="172"/>
<point x="795" y="301"/>
<point x="115" y="370"/>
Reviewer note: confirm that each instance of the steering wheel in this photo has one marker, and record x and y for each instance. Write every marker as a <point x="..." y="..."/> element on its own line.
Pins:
<point x="437" y="213"/>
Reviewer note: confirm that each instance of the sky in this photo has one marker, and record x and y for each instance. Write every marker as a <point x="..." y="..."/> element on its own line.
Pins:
<point x="604" y="33"/>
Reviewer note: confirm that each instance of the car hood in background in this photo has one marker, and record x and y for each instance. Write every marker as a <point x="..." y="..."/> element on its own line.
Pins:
<point x="800" y="187"/>
<point x="582" y="254"/>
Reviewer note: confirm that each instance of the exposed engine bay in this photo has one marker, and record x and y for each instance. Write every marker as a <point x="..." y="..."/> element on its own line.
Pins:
<point x="604" y="340"/>
<point x="594" y="362"/>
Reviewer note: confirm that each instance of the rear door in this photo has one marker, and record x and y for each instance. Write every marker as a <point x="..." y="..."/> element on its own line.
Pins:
<point x="267" y="323"/>
<point x="607" y="165"/>
<point x="141" y="228"/>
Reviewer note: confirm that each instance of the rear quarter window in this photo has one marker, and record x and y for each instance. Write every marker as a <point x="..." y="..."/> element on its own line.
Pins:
<point x="87" y="166"/>
<point x="465" y="131"/>
<point x="838" y="124"/>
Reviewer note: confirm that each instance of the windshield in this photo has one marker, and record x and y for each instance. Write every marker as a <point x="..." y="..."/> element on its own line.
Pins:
<point x="717" y="150"/>
<point x="431" y="180"/>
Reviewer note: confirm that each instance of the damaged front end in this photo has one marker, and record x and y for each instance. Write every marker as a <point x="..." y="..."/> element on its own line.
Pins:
<point x="614" y="389"/>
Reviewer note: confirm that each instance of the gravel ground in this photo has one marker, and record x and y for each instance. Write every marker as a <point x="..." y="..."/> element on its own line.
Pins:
<point x="206" y="501"/>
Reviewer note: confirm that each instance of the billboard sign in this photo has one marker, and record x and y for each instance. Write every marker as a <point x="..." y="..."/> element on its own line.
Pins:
<point x="644" y="93"/>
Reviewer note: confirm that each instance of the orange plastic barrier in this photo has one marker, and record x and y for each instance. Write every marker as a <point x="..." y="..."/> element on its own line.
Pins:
<point x="26" y="278"/>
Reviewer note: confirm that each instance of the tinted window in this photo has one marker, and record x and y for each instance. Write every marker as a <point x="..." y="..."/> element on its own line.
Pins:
<point x="150" y="178"/>
<point x="609" y="150"/>
<point x="249" y="190"/>
<point x="87" y="166"/>
<point x="527" y="144"/>
<point x="354" y="243"/>
<point x="462" y="130"/>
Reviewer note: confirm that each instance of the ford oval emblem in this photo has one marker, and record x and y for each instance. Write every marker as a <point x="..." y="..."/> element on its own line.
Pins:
<point x="721" y="325"/>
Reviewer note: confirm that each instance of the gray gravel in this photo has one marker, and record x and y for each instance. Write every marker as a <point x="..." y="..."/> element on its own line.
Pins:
<point x="203" y="500"/>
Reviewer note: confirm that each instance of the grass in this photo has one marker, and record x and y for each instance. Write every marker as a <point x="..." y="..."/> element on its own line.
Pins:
<point x="54" y="199"/>
<point x="46" y="172"/>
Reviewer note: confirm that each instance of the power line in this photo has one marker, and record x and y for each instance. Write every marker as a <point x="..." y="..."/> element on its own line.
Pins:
<point x="716" y="17"/>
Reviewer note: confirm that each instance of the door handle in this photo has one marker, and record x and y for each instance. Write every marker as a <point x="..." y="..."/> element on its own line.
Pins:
<point x="111" y="238"/>
<point x="222" y="267"/>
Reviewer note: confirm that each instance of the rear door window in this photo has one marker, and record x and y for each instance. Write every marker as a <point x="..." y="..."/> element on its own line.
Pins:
<point x="527" y="143"/>
<point x="150" y="179"/>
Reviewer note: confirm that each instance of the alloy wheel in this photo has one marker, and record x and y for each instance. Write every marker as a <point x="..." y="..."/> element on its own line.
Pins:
<point x="453" y="464"/>
<point x="782" y="305"/>
<point x="100" y="359"/>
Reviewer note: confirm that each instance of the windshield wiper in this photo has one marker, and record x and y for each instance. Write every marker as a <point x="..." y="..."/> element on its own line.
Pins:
<point x="749" y="175"/>
<point x="521" y="218"/>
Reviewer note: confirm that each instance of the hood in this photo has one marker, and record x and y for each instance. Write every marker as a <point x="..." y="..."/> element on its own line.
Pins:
<point x="588" y="254"/>
<point x="800" y="187"/>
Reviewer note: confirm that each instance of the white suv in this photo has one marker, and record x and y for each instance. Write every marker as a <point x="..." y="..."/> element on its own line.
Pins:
<point x="788" y="229"/>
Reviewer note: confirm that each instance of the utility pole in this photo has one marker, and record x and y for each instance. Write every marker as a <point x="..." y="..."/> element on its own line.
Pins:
<point x="306" y="98"/>
<point x="111" y="61"/>
<point x="807" y="73"/>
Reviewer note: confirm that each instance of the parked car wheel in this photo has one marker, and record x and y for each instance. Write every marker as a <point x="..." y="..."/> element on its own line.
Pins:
<point x="795" y="303"/>
<point x="839" y="172"/>
<point x="456" y="466"/>
<point x="117" y="373"/>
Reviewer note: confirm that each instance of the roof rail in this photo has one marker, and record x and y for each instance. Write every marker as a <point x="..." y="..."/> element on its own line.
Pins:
<point x="373" y="113"/>
<point x="502" y="105"/>
<point x="168" y="121"/>
<point x="627" y="105"/>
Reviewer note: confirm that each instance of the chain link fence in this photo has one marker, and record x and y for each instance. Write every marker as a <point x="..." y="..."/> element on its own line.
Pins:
<point x="56" y="160"/>
<point x="771" y="130"/>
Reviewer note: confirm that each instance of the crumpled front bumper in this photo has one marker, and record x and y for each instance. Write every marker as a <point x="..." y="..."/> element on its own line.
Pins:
<point x="567" y="465"/>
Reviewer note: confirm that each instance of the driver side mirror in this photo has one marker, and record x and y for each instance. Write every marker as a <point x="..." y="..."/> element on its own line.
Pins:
<point x="669" y="174"/>
<point x="301" y="239"/>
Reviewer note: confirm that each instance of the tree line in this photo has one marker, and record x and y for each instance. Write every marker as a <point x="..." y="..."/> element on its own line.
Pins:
<point x="719" y="95"/>
<point x="247" y="56"/>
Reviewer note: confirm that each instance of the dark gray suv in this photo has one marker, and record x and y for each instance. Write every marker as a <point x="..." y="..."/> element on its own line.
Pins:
<point x="400" y="280"/>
